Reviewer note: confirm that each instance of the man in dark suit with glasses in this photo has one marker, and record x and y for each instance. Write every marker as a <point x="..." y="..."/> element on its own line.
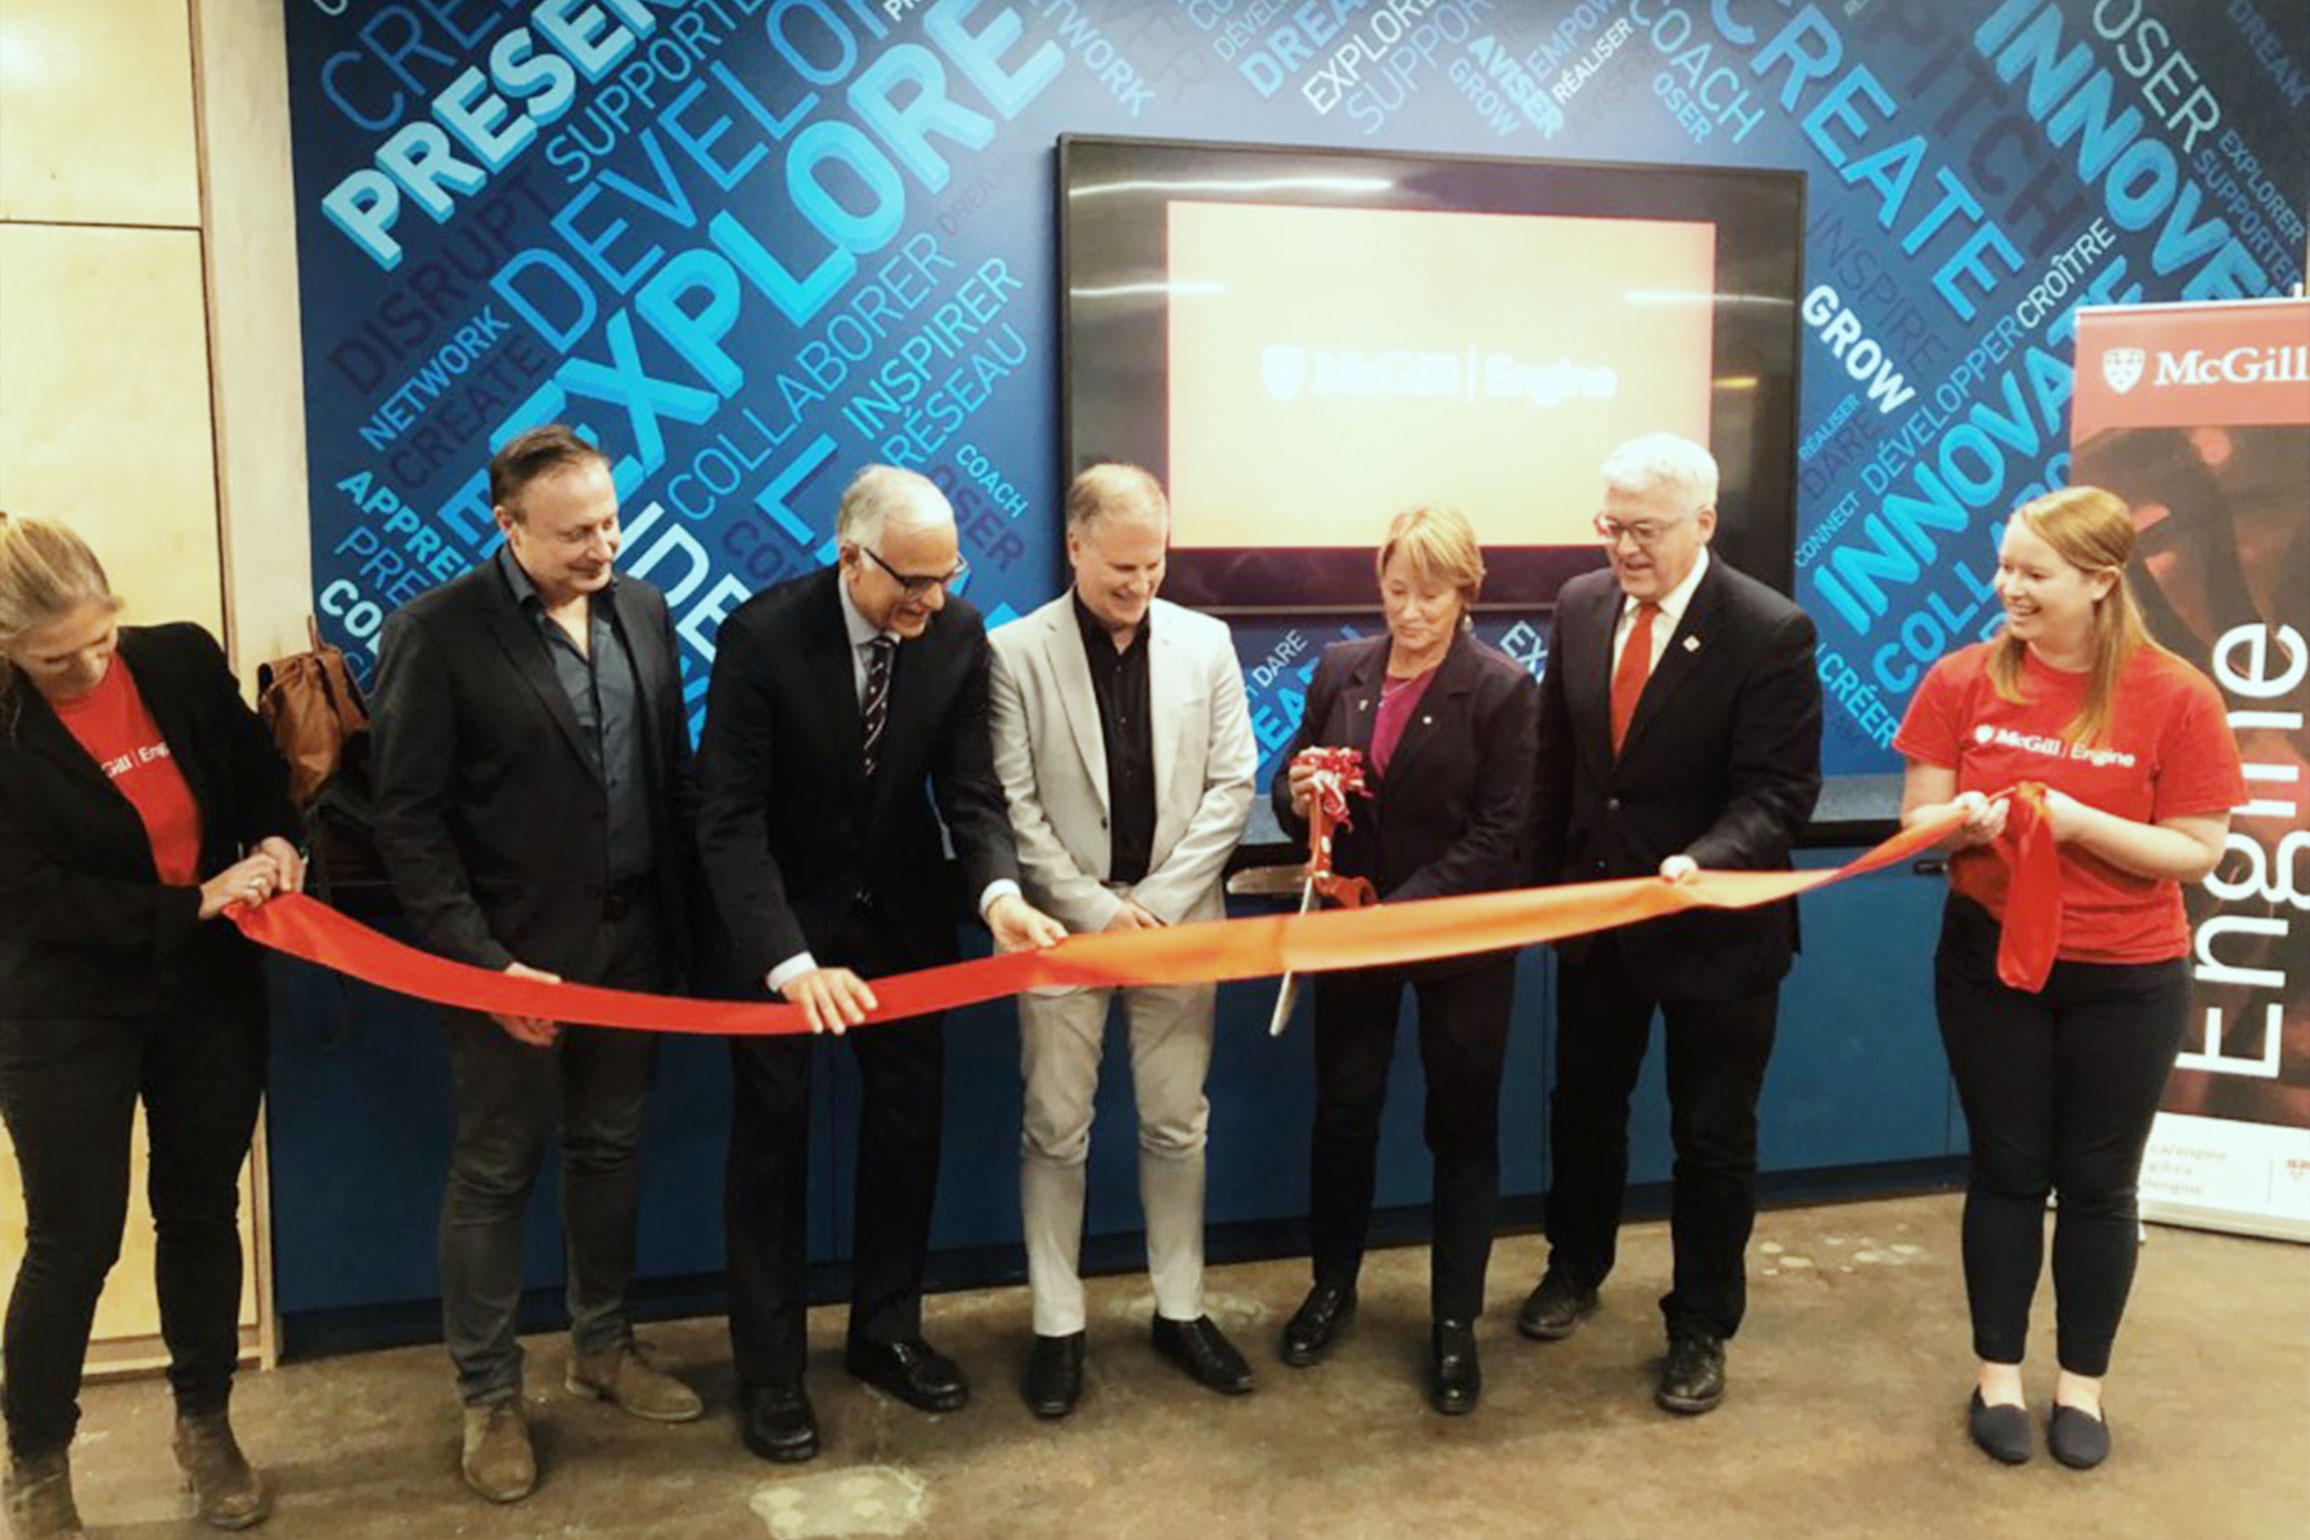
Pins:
<point x="836" y="699"/>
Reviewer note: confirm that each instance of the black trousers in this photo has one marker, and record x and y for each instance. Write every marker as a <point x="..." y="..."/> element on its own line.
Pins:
<point x="2060" y="1089"/>
<point x="69" y="1091"/>
<point x="1463" y="1023"/>
<point x="508" y="1095"/>
<point x="1717" y="1051"/>
<point x="902" y="1067"/>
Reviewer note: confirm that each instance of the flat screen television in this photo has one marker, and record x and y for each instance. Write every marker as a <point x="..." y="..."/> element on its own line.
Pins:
<point x="1302" y="342"/>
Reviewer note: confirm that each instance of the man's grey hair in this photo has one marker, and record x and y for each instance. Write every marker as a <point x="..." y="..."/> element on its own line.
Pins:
<point x="882" y="495"/>
<point x="1663" y="462"/>
<point x="1112" y="487"/>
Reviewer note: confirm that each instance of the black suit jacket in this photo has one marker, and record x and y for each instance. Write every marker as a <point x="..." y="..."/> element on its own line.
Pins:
<point x="86" y="929"/>
<point x="1453" y="813"/>
<point x="1722" y="763"/>
<point x="790" y="830"/>
<point x="490" y="815"/>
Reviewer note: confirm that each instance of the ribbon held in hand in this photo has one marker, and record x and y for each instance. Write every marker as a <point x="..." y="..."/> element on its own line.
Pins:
<point x="2033" y="902"/>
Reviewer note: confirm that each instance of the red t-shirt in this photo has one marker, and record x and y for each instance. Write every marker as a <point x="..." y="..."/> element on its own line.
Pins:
<point x="112" y="723"/>
<point x="2168" y="753"/>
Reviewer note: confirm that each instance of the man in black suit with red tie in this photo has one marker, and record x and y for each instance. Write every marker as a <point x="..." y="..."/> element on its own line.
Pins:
<point x="1680" y="727"/>
<point x="836" y="700"/>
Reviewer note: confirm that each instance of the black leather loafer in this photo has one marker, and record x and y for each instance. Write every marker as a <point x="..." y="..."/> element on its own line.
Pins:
<point x="914" y="1371"/>
<point x="1316" y="1327"/>
<point x="1199" y="1347"/>
<point x="1054" y="1375"/>
<point x="1455" y="1380"/>
<point x="777" y="1423"/>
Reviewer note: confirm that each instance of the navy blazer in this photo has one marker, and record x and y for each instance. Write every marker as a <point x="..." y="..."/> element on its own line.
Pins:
<point x="792" y="834"/>
<point x="490" y="813"/>
<point x="1722" y="763"/>
<point x="1453" y="812"/>
<point x="86" y="928"/>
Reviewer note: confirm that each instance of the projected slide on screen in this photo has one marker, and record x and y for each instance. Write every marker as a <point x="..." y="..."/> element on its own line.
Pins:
<point x="1330" y="366"/>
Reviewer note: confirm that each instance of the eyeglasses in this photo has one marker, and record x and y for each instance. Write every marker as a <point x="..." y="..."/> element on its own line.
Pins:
<point x="916" y="584"/>
<point x="1646" y="533"/>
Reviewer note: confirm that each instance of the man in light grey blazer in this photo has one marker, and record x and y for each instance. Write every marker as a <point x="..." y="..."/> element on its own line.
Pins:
<point x="1124" y="744"/>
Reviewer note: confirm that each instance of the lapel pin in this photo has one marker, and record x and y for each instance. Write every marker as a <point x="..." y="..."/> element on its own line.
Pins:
<point x="1427" y="721"/>
<point x="1364" y="705"/>
<point x="1692" y="644"/>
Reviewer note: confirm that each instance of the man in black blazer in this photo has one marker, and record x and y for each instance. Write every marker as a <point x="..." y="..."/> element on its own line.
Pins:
<point x="535" y="807"/>
<point x="837" y="700"/>
<point x="1680" y="727"/>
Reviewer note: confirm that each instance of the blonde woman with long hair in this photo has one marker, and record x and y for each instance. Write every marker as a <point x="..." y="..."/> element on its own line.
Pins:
<point x="2060" y="1085"/>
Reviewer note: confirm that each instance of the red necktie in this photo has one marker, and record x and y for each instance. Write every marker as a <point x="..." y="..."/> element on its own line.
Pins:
<point x="1629" y="674"/>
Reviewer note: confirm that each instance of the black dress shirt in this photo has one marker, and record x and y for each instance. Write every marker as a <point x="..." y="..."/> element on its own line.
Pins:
<point x="1119" y="679"/>
<point x="602" y="691"/>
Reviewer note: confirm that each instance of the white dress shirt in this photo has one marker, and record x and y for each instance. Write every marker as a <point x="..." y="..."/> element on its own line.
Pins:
<point x="1673" y="604"/>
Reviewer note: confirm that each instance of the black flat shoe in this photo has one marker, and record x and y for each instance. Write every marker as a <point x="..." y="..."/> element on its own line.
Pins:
<point x="2078" y="1439"/>
<point x="1455" y="1379"/>
<point x="914" y="1371"/>
<point x="1316" y="1327"/>
<point x="2001" y="1432"/>
<point x="1692" y="1376"/>
<point x="1054" y="1375"/>
<point x="777" y="1423"/>
<point x="1203" y="1351"/>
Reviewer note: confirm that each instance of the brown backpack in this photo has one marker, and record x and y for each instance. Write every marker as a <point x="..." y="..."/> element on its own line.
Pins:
<point x="314" y="710"/>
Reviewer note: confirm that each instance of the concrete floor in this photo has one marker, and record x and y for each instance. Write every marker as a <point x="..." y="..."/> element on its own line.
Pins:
<point x="1845" y="1419"/>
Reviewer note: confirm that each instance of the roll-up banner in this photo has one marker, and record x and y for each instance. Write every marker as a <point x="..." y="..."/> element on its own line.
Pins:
<point x="2199" y="415"/>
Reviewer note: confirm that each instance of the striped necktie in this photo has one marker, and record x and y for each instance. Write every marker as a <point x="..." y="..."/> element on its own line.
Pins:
<point x="874" y="710"/>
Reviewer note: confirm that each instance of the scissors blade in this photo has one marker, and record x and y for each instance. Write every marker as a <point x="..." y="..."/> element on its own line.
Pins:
<point x="1287" y="989"/>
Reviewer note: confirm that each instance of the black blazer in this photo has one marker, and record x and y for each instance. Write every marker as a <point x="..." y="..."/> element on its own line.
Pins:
<point x="490" y="814"/>
<point x="1722" y="763"/>
<point x="1453" y="813"/>
<point x="788" y="827"/>
<point x="86" y="929"/>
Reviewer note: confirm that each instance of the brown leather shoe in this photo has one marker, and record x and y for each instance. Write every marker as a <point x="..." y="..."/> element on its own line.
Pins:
<point x="498" y="1462"/>
<point x="38" y="1493"/>
<point x="627" y="1379"/>
<point x="227" y="1493"/>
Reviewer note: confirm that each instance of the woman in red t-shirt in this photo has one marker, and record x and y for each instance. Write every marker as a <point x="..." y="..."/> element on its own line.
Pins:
<point x="138" y="797"/>
<point x="2060" y="1085"/>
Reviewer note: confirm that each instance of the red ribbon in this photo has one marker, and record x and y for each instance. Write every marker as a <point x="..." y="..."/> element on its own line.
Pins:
<point x="1209" y="952"/>
<point x="2033" y="902"/>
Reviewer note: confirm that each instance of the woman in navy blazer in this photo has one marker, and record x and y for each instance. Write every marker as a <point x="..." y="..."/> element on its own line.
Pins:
<point x="139" y="796"/>
<point x="1448" y="730"/>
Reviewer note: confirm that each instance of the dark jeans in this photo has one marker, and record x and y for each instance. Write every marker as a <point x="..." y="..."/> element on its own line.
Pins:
<point x="1717" y="1051"/>
<point x="507" y="1095"/>
<point x="69" y="1090"/>
<point x="2059" y="1089"/>
<point x="1463" y="1024"/>
<point x="902" y="1070"/>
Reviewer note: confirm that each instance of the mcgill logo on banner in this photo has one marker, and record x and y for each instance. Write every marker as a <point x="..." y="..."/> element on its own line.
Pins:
<point x="1283" y="369"/>
<point x="2122" y="368"/>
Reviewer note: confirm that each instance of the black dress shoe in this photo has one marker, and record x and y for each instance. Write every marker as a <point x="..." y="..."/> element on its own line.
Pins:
<point x="2001" y="1432"/>
<point x="1455" y="1380"/>
<point x="1556" y="1308"/>
<point x="1055" y="1375"/>
<point x="2078" y="1439"/>
<point x="914" y="1371"/>
<point x="1321" y="1320"/>
<point x="1692" y="1376"/>
<point x="777" y="1423"/>
<point x="1208" y="1357"/>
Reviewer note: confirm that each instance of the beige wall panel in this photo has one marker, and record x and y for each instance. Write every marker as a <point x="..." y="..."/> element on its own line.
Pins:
<point x="256" y="354"/>
<point x="104" y="406"/>
<point x="129" y="1308"/>
<point x="98" y="100"/>
<point x="97" y="95"/>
